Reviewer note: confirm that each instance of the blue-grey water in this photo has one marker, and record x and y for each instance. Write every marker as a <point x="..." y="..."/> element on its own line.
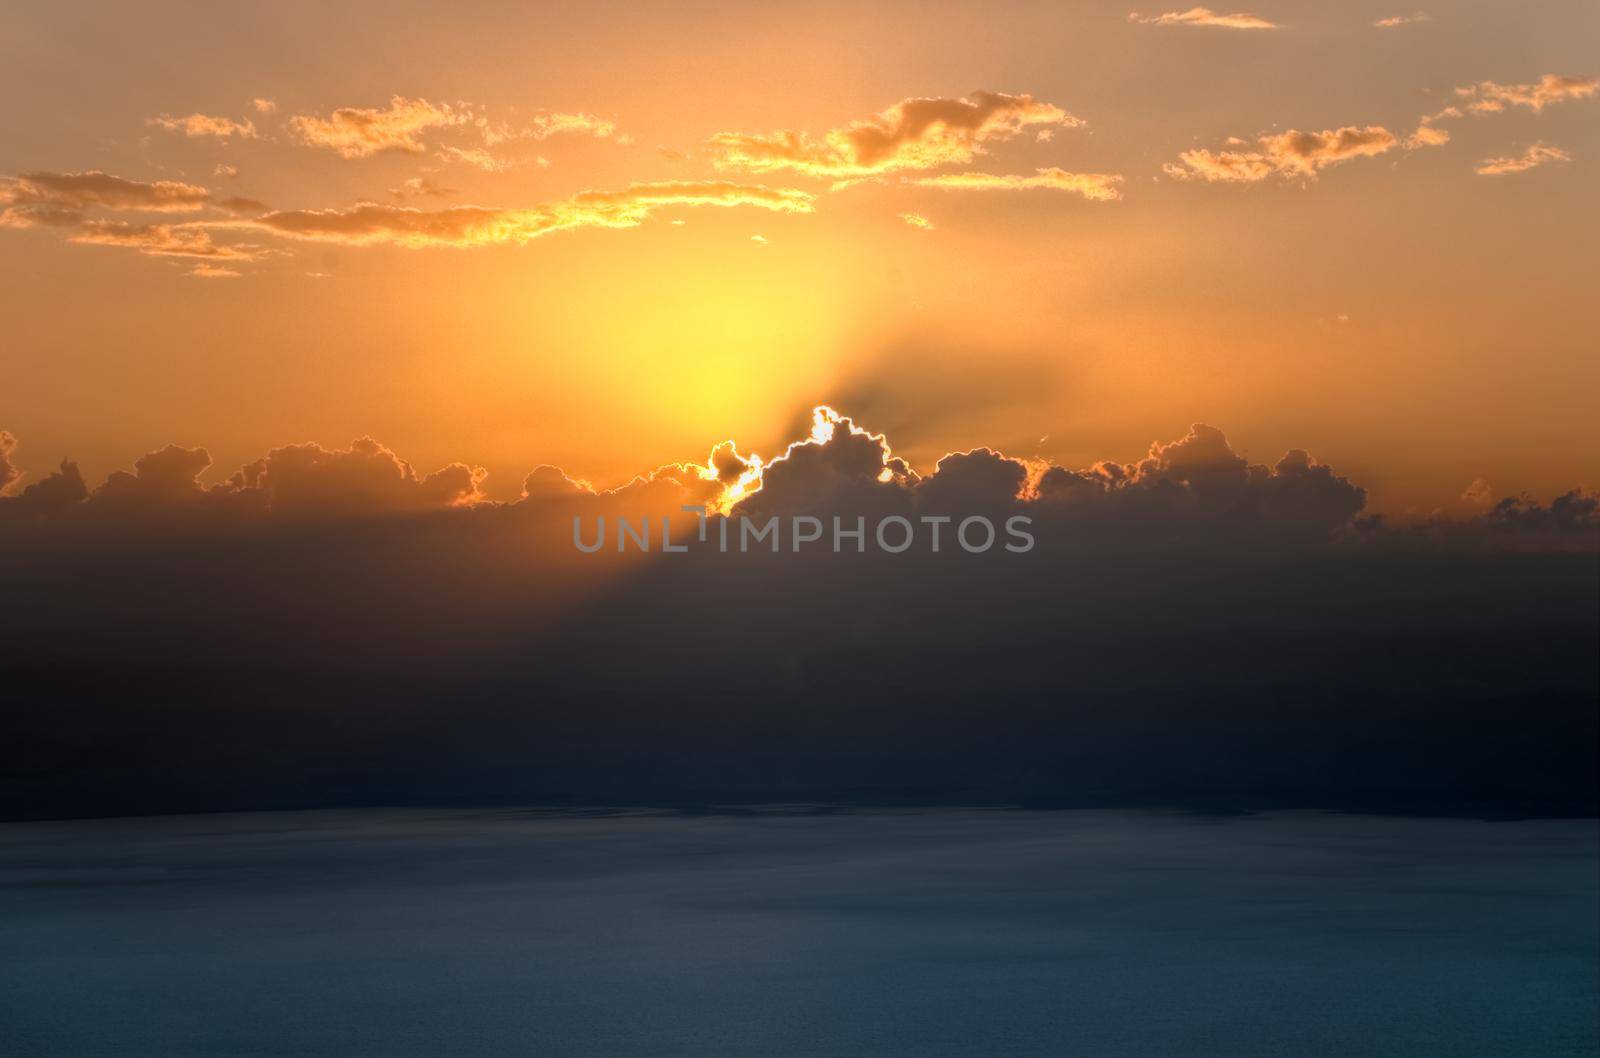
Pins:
<point x="970" y="933"/>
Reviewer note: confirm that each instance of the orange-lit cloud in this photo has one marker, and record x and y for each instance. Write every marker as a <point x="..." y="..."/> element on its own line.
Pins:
<point x="1487" y="97"/>
<point x="157" y="240"/>
<point x="98" y="190"/>
<point x="1203" y="16"/>
<point x="910" y="135"/>
<point x="476" y="157"/>
<point x="1427" y="136"/>
<point x="206" y="271"/>
<point x="263" y="106"/>
<point x="917" y="220"/>
<point x="373" y="224"/>
<point x="1394" y="21"/>
<point x="9" y="473"/>
<point x="421" y="187"/>
<point x="546" y="125"/>
<point x="206" y="125"/>
<point x="1288" y="154"/>
<point x="1097" y="187"/>
<point x="1532" y="158"/>
<point x="358" y="132"/>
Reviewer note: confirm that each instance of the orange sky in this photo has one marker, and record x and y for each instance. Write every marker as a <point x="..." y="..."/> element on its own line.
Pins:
<point x="608" y="239"/>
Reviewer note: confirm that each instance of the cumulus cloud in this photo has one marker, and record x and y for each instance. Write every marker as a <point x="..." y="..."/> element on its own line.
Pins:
<point x="1194" y="491"/>
<point x="1203" y="16"/>
<point x="1097" y="187"/>
<point x="359" y="132"/>
<point x="1394" y="21"/>
<point x="1535" y="156"/>
<point x="60" y="491"/>
<point x="307" y="480"/>
<point x="912" y="134"/>
<point x="206" y="125"/>
<point x="1487" y="97"/>
<point x="368" y="224"/>
<point x="264" y="106"/>
<point x="1288" y="154"/>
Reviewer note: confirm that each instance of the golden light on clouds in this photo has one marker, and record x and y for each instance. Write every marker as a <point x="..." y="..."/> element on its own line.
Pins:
<point x="359" y="132"/>
<point x="912" y="134"/>
<point x="1097" y="187"/>
<point x="1535" y="156"/>
<point x="1292" y="154"/>
<point x="990" y="226"/>
<point x="1203" y="16"/>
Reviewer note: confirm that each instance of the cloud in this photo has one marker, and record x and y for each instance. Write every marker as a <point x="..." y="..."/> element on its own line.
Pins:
<point x="9" y="474"/>
<point x="545" y="125"/>
<point x="359" y="132"/>
<point x="1097" y="187"/>
<point x="158" y="240"/>
<point x="421" y="187"/>
<point x="1535" y="156"/>
<point x="206" y="271"/>
<point x="369" y="223"/>
<point x="476" y="157"/>
<point x="97" y="190"/>
<point x="912" y="134"/>
<point x="263" y="106"/>
<point x="307" y="480"/>
<point x="917" y="220"/>
<point x="1394" y="21"/>
<point x="1487" y="97"/>
<point x="1203" y="16"/>
<point x="1287" y="154"/>
<point x="228" y="172"/>
<point x="1427" y="136"/>
<point x="206" y="125"/>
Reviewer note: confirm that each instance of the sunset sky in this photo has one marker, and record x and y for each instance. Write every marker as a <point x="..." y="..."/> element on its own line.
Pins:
<point x="610" y="236"/>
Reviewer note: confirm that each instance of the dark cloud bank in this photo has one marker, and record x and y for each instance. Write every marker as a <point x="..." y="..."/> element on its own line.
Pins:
<point x="335" y="627"/>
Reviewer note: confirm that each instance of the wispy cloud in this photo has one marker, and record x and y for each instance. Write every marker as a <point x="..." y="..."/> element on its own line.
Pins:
<point x="377" y="224"/>
<point x="98" y="190"/>
<point x="1532" y="158"/>
<point x="1287" y="154"/>
<point x="206" y="125"/>
<point x="1487" y="97"/>
<point x="263" y="106"/>
<point x="1097" y="187"/>
<point x="206" y="271"/>
<point x="359" y="132"/>
<point x="1203" y="16"/>
<point x="913" y="134"/>
<point x="421" y="187"/>
<point x="917" y="220"/>
<point x="158" y="240"/>
<point x="1395" y="21"/>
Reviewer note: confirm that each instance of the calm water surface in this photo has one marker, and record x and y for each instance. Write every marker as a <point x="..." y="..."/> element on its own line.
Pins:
<point x="948" y="933"/>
